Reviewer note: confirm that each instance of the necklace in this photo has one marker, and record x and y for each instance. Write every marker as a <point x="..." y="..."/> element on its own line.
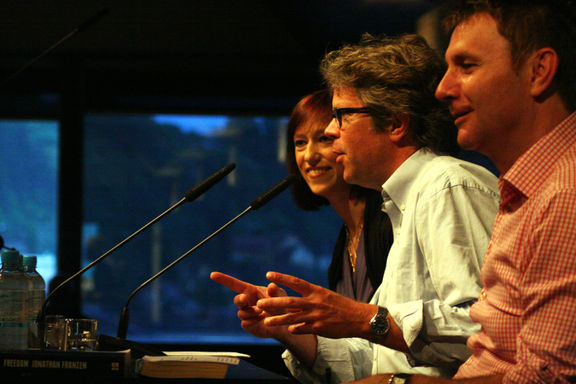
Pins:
<point x="352" y="245"/>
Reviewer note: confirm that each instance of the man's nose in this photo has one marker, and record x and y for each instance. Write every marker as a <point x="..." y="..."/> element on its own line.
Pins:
<point x="333" y="129"/>
<point x="446" y="89"/>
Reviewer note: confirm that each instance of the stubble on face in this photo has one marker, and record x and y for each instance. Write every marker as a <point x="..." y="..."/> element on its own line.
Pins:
<point x="358" y="145"/>
<point x="487" y="95"/>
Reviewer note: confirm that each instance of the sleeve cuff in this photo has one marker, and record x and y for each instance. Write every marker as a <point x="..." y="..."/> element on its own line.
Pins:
<point x="347" y="359"/>
<point x="409" y="317"/>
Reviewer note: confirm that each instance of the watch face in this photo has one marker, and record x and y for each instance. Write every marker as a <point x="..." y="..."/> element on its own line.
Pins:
<point x="399" y="379"/>
<point x="379" y="323"/>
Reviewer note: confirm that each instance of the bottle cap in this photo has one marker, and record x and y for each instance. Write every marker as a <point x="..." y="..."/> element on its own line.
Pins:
<point x="11" y="256"/>
<point x="29" y="261"/>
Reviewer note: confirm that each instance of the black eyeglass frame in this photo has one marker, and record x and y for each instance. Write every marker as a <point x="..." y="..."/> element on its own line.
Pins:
<point x="337" y="113"/>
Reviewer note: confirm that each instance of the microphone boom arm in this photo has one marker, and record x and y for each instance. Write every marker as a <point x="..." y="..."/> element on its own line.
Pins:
<point x="179" y="203"/>
<point x="124" y="316"/>
<point x="42" y="313"/>
<point x="256" y="204"/>
<point x="83" y="26"/>
<point x="191" y="195"/>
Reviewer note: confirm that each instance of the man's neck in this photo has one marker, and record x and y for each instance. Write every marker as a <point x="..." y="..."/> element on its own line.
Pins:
<point x="546" y="117"/>
<point x="401" y="155"/>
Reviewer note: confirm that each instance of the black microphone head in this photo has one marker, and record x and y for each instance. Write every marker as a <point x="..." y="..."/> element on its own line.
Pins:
<point x="93" y="19"/>
<point x="208" y="183"/>
<point x="272" y="192"/>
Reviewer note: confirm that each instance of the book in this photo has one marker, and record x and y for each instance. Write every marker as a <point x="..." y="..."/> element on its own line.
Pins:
<point x="193" y="364"/>
<point x="93" y="364"/>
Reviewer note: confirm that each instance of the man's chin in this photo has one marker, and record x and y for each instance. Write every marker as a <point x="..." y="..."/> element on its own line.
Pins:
<point x="465" y="141"/>
<point x="348" y="177"/>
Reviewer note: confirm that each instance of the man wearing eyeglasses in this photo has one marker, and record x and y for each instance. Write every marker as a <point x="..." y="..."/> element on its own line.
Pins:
<point x="391" y="134"/>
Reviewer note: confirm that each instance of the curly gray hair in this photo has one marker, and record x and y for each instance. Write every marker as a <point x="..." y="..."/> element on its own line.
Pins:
<point x="394" y="76"/>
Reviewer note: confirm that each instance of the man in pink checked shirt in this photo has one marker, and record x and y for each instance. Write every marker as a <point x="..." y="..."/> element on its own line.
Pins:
<point x="511" y="87"/>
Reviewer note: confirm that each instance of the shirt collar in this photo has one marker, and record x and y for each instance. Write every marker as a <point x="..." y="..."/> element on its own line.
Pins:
<point x="398" y="185"/>
<point x="534" y="166"/>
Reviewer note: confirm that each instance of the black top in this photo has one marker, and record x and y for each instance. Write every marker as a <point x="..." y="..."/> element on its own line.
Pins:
<point x="378" y="237"/>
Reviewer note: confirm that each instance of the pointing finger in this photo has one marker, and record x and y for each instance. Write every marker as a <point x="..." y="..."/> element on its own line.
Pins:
<point x="232" y="283"/>
<point x="301" y="286"/>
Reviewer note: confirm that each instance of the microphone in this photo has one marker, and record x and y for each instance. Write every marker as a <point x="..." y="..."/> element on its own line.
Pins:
<point x="208" y="183"/>
<point x="190" y="196"/>
<point x="82" y="27"/>
<point x="257" y="203"/>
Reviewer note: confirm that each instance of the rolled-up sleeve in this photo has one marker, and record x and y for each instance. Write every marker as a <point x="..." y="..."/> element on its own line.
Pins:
<point x="453" y="228"/>
<point x="340" y="359"/>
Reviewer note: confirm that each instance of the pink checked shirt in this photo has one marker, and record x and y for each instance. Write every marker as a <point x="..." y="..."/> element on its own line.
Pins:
<point x="527" y="308"/>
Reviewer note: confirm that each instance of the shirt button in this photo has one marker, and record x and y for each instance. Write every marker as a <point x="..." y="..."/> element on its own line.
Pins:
<point x="403" y="207"/>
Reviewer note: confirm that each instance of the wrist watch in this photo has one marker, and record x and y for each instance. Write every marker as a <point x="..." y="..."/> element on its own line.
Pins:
<point x="398" y="379"/>
<point x="379" y="325"/>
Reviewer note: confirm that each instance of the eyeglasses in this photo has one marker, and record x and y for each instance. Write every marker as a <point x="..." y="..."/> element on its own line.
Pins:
<point x="337" y="113"/>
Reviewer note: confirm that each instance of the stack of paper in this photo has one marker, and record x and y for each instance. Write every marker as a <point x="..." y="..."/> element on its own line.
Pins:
<point x="190" y="364"/>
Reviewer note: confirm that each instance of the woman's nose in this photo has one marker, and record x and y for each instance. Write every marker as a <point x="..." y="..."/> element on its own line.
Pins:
<point x="311" y="155"/>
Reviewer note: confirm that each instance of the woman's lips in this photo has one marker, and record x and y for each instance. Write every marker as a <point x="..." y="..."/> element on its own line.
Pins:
<point x="317" y="171"/>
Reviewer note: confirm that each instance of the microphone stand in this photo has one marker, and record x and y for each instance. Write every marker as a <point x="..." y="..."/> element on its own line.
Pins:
<point x="42" y="313"/>
<point x="256" y="204"/>
<point x="191" y="195"/>
<point x="83" y="26"/>
<point x="125" y="317"/>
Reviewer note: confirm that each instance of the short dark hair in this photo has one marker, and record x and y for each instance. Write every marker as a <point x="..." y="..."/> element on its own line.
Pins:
<point x="393" y="76"/>
<point x="315" y="108"/>
<point x="529" y="25"/>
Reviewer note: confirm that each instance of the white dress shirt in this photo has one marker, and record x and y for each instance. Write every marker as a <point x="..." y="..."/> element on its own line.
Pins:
<point x="442" y="210"/>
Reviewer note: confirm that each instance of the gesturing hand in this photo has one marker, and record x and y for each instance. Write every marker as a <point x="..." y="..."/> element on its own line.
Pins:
<point x="319" y="311"/>
<point x="252" y="317"/>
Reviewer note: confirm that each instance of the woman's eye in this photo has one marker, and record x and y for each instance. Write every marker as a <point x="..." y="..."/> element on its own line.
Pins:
<point x="326" y="139"/>
<point x="299" y="143"/>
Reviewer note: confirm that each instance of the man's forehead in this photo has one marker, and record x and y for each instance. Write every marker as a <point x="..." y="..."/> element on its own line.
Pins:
<point x="346" y="97"/>
<point x="475" y="36"/>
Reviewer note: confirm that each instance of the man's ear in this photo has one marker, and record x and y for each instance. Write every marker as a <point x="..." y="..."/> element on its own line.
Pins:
<point x="544" y="67"/>
<point x="399" y="127"/>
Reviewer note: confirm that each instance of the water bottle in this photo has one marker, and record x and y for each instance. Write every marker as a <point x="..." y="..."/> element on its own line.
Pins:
<point x="13" y="292"/>
<point x="34" y="300"/>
